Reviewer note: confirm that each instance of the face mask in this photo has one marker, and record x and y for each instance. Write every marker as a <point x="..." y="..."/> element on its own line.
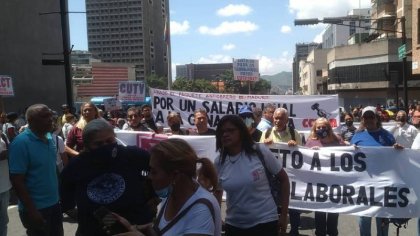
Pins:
<point x="349" y="123"/>
<point x="164" y="192"/>
<point x="175" y="127"/>
<point x="322" y="133"/>
<point x="105" y="152"/>
<point x="249" y="122"/>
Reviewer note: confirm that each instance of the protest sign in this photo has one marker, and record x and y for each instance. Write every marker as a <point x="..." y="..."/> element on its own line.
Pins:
<point x="303" y="109"/>
<point x="246" y="70"/>
<point x="112" y="104"/>
<point x="131" y="91"/>
<point x="6" y="86"/>
<point x="368" y="181"/>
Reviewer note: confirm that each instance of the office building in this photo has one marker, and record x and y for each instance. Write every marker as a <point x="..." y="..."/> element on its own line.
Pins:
<point x="27" y="37"/>
<point x="302" y="51"/>
<point x="130" y="31"/>
<point x="203" y="71"/>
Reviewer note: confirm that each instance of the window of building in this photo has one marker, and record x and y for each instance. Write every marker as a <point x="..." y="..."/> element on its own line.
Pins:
<point x="319" y="73"/>
<point x="352" y="28"/>
<point x="418" y="25"/>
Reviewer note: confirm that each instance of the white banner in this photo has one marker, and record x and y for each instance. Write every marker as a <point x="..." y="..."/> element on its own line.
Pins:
<point x="6" y="86"/>
<point x="303" y="109"/>
<point x="368" y="181"/>
<point x="131" y="91"/>
<point x="204" y="146"/>
<point x="246" y="70"/>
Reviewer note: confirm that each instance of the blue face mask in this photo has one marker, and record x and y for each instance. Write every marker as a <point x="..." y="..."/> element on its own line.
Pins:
<point x="164" y="192"/>
<point x="322" y="133"/>
<point x="248" y="122"/>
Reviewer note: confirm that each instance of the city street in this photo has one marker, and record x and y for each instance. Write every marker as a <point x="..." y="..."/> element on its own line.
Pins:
<point x="347" y="225"/>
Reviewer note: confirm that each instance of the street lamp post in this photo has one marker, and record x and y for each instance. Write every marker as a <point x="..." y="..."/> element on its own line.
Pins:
<point x="339" y="21"/>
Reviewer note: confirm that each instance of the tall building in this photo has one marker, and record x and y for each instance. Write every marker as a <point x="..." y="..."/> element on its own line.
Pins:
<point x="302" y="51"/>
<point x="202" y="71"/>
<point x="130" y="31"/>
<point x="357" y="23"/>
<point x="27" y="37"/>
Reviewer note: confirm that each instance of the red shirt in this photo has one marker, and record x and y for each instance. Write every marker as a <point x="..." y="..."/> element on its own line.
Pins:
<point x="74" y="139"/>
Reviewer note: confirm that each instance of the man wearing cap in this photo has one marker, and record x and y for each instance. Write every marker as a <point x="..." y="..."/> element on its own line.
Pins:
<point x="371" y="133"/>
<point x="248" y="117"/>
<point x="403" y="132"/>
<point x="61" y="120"/>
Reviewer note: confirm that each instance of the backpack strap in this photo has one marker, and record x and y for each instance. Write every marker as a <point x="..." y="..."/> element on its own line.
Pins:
<point x="180" y="215"/>
<point x="261" y="157"/>
<point x="268" y="132"/>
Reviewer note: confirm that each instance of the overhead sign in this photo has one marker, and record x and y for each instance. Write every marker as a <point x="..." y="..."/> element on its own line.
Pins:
<point x="6" y="86"/>
<point x="303" y="109"/>
<point x="131" y="91"/>
<point x="112" y="104"/>
<point x="401" y="52"/>
<point x="246" y="70"/>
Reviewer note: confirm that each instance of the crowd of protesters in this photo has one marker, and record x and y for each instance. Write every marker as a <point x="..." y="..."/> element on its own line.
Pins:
<point x="72" y="164"/>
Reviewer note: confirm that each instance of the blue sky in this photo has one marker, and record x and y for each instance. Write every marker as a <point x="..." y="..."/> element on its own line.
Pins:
<point x="213" y="31"/>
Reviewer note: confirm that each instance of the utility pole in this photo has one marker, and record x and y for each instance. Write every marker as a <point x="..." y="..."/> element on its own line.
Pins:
<point x="66" y="51"/>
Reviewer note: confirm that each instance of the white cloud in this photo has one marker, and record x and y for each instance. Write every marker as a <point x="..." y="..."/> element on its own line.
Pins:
<point x="229" y="28"/>
<point x="303" y="9"/>
<point x="285" y="53"/>
<point x="219" y="58"/>
<point x="271" y="66"/>
<point x="231" y="10"/>
<point x="229" y="46"/>
<point x="179" y="28"/>
<point x="285" y="29"/>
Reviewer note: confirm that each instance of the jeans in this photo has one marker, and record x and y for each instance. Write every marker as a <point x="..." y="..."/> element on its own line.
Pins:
<point x="365" y="224"/>
<point x="266" y="229"/>
<point x="326" y="223"/>
<point x="4" y="218"/>
<point x="53" y="222"/>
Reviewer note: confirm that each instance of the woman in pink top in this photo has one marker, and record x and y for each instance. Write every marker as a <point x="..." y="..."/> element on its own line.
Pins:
<point x="322" y="135"/>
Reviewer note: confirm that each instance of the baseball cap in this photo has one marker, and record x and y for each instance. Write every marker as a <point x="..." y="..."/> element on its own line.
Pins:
<point x="245" y="109"/>
<point x="367" y="109"/>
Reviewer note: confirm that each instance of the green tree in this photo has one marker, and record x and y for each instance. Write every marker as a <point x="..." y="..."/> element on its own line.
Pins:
<point x="154" y="81"/>
<point x="199" y="85"/>
<point x="262" y="86"/>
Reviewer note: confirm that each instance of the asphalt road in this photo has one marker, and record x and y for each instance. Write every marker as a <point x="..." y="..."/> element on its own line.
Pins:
<point x="347" y="225"/>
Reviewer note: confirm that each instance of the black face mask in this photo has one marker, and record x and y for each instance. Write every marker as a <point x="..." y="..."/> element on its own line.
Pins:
<point x="176" y="127"/>
<point x="104" y="153"/>
<point x="349" y="123"/>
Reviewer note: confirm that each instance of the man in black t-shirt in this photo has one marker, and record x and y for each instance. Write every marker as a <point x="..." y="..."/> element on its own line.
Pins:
<point x="201" y="122"/>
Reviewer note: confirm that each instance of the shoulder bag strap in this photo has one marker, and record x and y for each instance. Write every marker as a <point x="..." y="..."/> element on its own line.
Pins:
<point x="268" y="132"/>
<point x="182" y="214"/>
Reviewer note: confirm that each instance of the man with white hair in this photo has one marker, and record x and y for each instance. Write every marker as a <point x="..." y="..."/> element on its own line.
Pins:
<point x="32" y="160"/>
<point x="403" y="132"/>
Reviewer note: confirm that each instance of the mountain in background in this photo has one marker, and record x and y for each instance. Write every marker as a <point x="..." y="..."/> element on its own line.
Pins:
<point x="280" y="83"/>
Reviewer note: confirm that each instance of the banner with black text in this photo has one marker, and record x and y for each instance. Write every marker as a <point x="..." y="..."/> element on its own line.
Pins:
<point x="303" y="109"/>
<point x="368" y="181"/>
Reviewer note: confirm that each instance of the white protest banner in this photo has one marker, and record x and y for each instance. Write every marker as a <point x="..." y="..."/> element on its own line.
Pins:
<point x="6" y="86"/>
<point x="246" y="70"/>
<point x="368" y="181"/>
<point x="204" y="146"/>
<point x="131" y="91"/>
<point x="303" y="109"/>
<point x="112" y="104"/>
